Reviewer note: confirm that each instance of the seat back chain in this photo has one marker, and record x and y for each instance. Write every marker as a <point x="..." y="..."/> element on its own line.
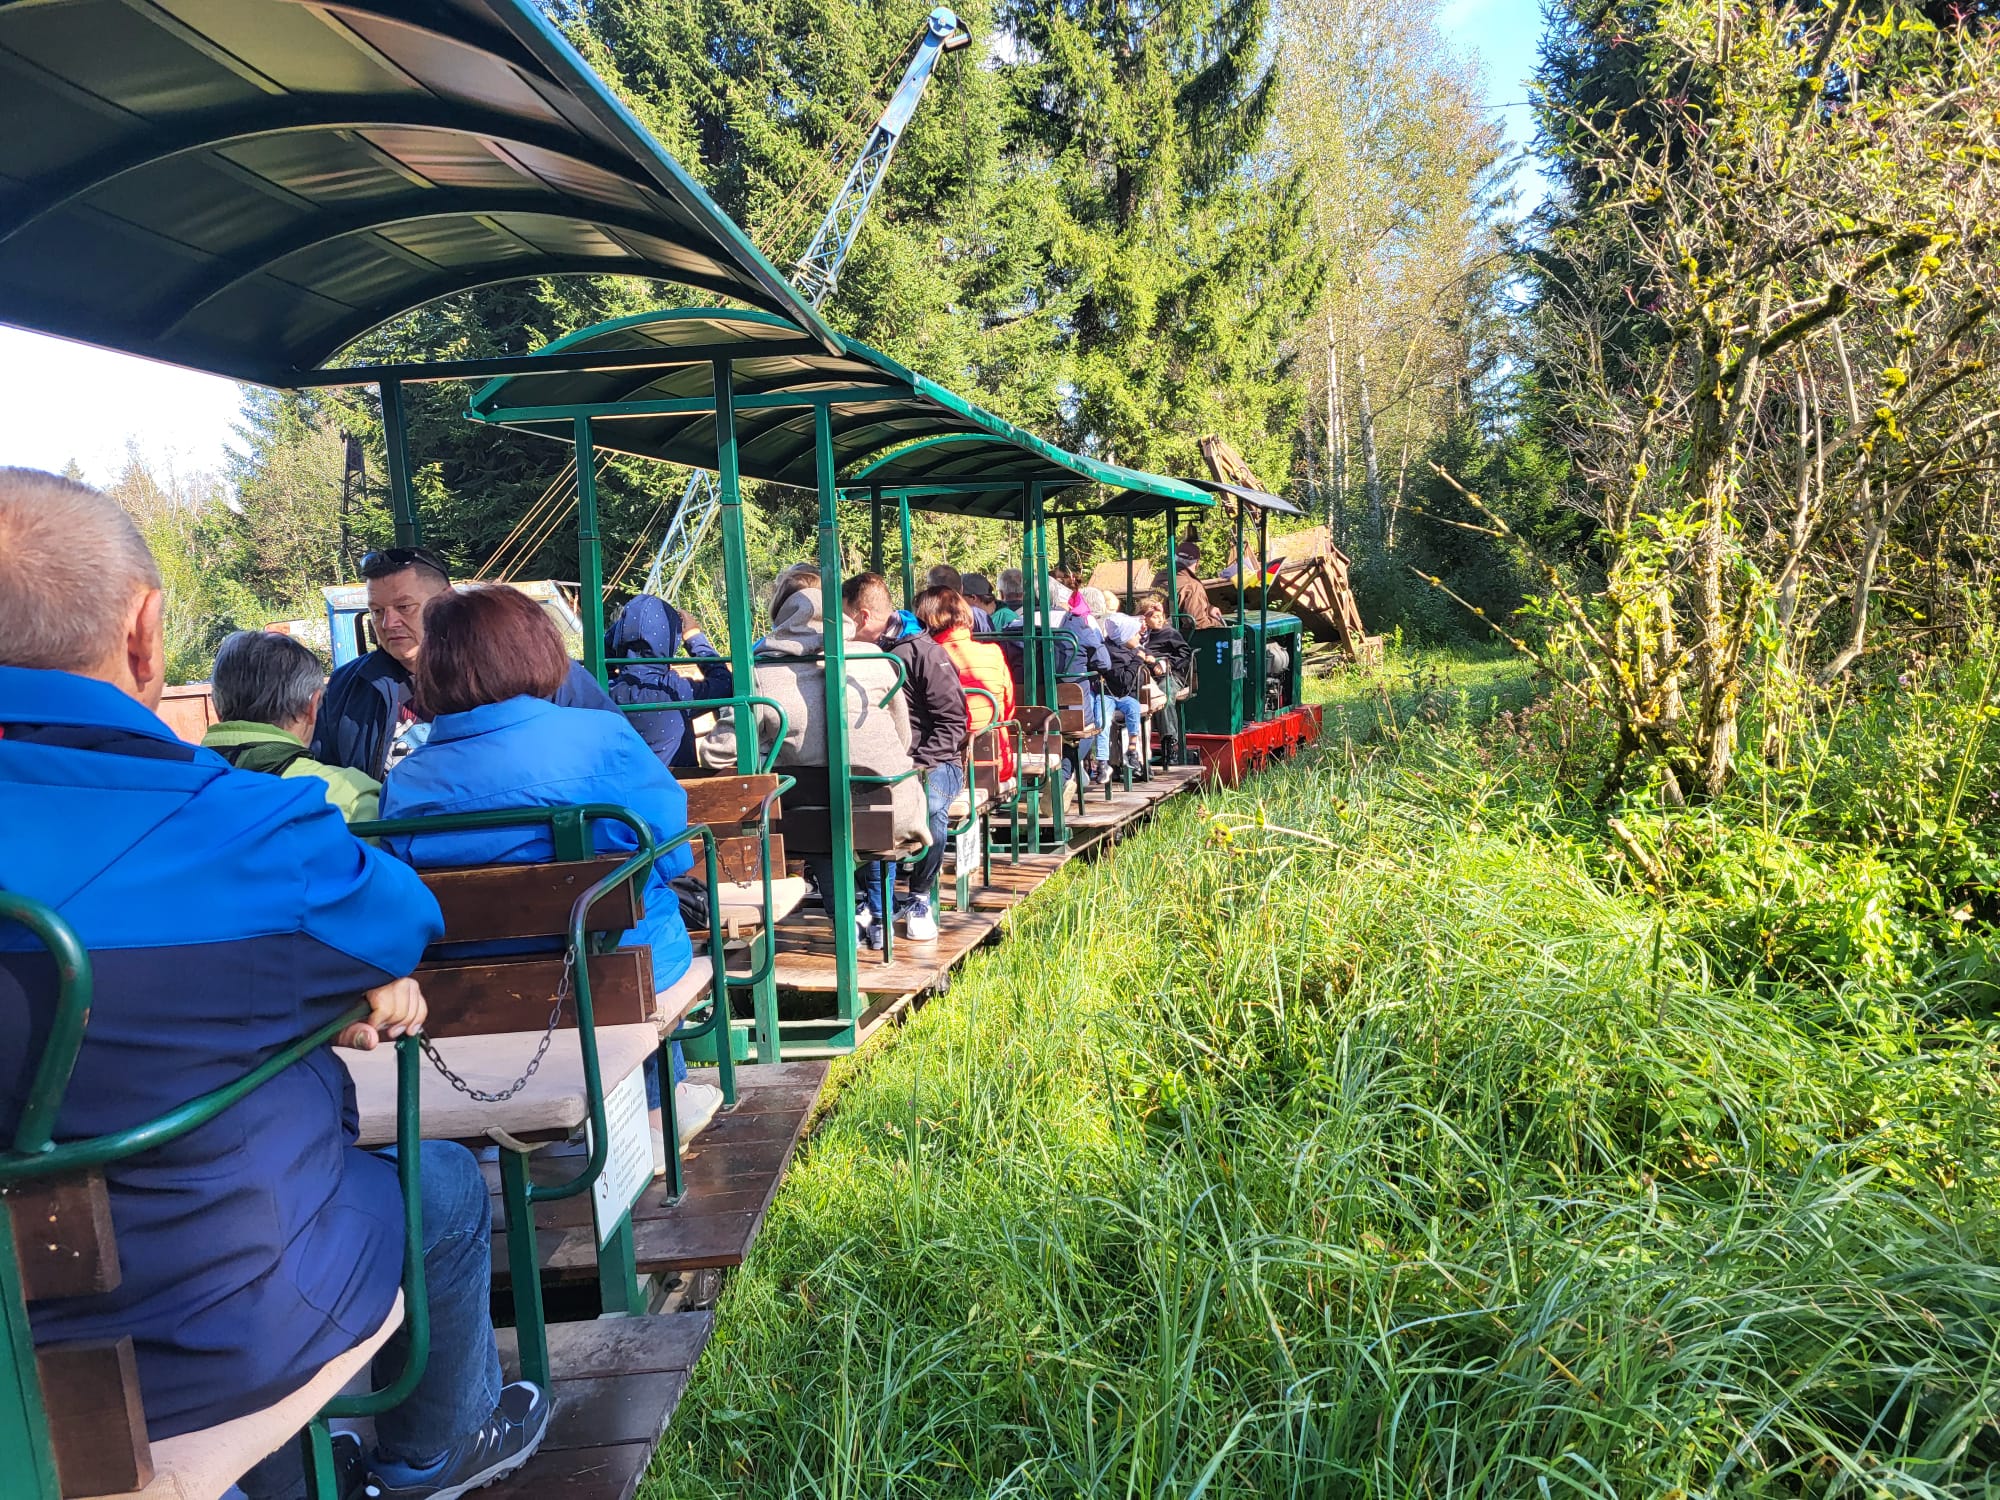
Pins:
<point x="482" y="1096"/>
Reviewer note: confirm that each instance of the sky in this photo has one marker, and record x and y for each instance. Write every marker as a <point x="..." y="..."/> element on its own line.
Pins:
<point x="62" y="401"/>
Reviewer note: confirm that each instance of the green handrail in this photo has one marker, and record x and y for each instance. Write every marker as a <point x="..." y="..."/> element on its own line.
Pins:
<point x="32" y="1155"/>
<point x="642" y="859"/>
<point x="33" y="1131"/>
<point x="737" y="700"/>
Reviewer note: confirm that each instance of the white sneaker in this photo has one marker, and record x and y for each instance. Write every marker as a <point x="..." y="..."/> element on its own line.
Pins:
<point x="695" y="1105"/>
<point x="919" y="925"/>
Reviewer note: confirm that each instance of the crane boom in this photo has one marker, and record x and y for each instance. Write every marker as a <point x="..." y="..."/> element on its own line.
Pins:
<point x="817" y="272"/>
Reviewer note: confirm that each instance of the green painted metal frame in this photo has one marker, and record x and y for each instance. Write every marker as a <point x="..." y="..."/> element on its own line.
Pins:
<point x="32" y="1154"/>
<point x="570" y="832"/>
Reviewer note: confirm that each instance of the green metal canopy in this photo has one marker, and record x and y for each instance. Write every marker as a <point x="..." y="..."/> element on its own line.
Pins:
<point x="981" y="475"/>
<point x="246" y="186"/>
<point x="957" y="457"/>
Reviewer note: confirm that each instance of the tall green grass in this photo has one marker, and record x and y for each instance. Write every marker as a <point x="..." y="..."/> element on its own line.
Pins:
<point x="1341" y="1135"/>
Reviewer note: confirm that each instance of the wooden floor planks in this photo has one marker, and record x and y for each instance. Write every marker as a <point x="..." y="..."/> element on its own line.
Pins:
<point x="616" y="1384"/>
<point x="731" y="1172"/>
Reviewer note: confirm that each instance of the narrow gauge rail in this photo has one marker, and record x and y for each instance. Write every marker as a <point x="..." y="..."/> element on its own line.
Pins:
<point x="245" y="187"/>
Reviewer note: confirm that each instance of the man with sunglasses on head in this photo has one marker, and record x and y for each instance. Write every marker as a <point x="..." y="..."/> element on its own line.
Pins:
<point x="367" y="720"/>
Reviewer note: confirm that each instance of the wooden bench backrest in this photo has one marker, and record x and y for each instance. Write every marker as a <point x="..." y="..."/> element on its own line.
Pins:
<point x="65" y="1247"/>
<point x="484" y="994"/>
<point x="727" y="804"/>
<point x="805" y="822"/>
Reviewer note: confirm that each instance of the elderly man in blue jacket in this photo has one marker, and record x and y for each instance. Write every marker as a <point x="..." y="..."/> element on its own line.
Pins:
<point x="367" y="720"/>
<point x="226" y="913"/>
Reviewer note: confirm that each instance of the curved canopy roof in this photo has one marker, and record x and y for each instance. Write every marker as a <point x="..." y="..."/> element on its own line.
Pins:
<point x="983" y="476"/>
<point x="876" y="405"/>
<point x="245" y="186"/>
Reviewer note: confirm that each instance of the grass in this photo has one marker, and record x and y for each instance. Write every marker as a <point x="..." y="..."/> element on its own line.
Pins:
<point x="1348" y="1134"/>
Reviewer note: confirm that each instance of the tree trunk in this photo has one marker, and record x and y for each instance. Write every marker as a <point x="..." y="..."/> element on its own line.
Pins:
<point x="1336" y="437"/>
<point x="1402" y="477"/>
<point x="1371" y="470"/>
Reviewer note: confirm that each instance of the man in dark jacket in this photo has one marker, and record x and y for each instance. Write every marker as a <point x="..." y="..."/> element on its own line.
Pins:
<point x="366" y="720"/>
<point x="938" y="729"/>
<point x="227" y="914"/>
<point x="649" y="626"/>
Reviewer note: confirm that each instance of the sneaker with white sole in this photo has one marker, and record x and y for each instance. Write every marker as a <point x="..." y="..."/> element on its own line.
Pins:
<point x="919" y="923"/>
<point x="507" y="1440"/>
<point x="695" y="1105"/>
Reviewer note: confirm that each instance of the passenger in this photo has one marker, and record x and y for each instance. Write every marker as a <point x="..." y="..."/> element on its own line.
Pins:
<point x="978" y="664"/>
<point x="1191" y="596"/>
<point x="979" y="595"/>
<point x="227" y="916"/>
<point x="791" y="671"/>
<point x="797" y="576"/>
<point x="267" y="689"/>
<point x="366" y="721"/>
<point x="491" y="668"/>
<point x="937" y="712"/>
<point x="1012" y="587"/>
<point x="1079" y="624"/>
<point x="943" y="576"/>
<point x="1170" y="659"/>
<point x="649" y="626"/>
<point x="1124" y="679"/>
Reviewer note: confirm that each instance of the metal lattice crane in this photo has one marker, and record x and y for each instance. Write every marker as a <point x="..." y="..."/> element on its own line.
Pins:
<point x="816" y="273"/>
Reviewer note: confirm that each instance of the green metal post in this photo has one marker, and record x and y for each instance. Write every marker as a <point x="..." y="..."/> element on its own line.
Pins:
<point x="1030" y="597"/>
<point x="1263" y="607"/>
<point x="875" y="527"/>
<point x="1130" y="562"/>
<point x="1236" y="621"/>
<point x="589" y="551"/>
<point x="839" y="769"/>
<point x="909" y="551"/>
<point x="743" y="667"/>
<point x="531" y="1329"/>
<point x="25" y="1453"/>
<point x="1173" y="573"/>
<point x="1046" y="642"/>
<point x="396" y="438"/>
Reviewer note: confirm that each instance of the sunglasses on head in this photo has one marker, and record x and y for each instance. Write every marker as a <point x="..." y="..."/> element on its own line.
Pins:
<point x="381" y="564"/>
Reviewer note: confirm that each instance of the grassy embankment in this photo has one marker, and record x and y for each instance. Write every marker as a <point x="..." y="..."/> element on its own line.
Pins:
<point x="1369" y="1131"/>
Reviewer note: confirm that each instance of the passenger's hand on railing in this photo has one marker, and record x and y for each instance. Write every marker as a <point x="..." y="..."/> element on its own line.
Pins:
<point x="394" y="1009"/>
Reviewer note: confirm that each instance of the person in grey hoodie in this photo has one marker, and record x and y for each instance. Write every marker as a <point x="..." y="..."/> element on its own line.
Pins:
<point x="791" y="671"/>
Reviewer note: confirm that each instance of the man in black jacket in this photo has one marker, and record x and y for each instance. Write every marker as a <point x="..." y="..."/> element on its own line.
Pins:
<point x="938" y="729"/>
<point x="366" y="720"/>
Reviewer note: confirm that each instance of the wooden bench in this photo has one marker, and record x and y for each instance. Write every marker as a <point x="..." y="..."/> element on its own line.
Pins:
<point x="63" y="1245"/>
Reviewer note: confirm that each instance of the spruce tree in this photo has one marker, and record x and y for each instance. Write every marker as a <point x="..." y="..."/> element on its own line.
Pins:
<point x="1178" y="246"/>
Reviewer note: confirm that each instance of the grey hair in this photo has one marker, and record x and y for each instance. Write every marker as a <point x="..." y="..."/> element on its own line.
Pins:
<point x="265" y="678"/>
<point x="71" y="562"/>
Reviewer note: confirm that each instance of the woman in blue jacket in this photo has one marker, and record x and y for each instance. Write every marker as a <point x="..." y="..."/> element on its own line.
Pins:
<point x="491" y="663"/>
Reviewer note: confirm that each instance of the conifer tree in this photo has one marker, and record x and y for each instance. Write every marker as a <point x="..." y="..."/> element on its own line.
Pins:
<point x="1178" y="248"/>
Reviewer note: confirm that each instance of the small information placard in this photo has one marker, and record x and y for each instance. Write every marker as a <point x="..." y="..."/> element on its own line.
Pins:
<point x="965" y="853"/>
<point x="628" y="1158"/>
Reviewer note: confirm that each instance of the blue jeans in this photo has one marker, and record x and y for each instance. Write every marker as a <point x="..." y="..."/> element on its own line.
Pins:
<point x="461" y="1379"/>
<point x="1129" y="707"/>
<point x="941" y="784"/>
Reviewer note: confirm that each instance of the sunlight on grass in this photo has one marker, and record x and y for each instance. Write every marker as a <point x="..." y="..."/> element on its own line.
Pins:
<point x="1343" y="1135"/>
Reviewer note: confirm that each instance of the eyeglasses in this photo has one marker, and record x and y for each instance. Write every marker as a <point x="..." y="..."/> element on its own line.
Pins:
<point x="394" y="559"/>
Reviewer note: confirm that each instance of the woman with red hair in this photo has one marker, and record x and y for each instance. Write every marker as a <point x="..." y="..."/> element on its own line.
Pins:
<point x="947" y="615"/>
<point x="491" y="663"/>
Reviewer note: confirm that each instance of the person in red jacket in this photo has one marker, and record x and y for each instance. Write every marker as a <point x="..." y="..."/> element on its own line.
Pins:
<point x="948" y="617"/>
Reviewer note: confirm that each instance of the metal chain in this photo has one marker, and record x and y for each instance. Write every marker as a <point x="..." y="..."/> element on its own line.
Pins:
<point x="480" y="1096"/>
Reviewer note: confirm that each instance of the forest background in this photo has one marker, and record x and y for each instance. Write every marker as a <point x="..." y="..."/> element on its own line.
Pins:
<point x="1706" y="433"/>
<point x="1282" y="220"/>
